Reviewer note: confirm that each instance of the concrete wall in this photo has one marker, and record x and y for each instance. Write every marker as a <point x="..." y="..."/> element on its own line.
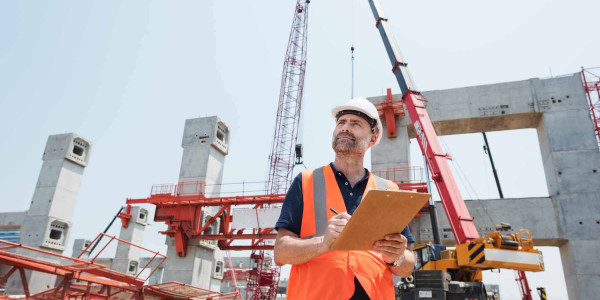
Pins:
<point x="12" y="218"/>
<point x="558" y="109"/>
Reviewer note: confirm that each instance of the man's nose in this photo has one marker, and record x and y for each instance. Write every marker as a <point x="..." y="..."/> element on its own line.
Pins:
<point x="346" y="127"/>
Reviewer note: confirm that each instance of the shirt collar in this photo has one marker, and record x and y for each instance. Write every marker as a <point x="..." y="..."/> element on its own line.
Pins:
<point x="339" y="173"/>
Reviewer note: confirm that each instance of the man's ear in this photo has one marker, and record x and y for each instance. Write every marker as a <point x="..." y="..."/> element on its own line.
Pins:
<point x="373" y="140"/>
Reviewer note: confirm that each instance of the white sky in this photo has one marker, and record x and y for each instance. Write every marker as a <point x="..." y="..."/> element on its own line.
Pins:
<point x="126" y="74"/>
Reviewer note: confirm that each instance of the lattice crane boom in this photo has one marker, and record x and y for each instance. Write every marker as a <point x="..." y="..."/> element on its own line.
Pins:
<point x="281" y="159"/>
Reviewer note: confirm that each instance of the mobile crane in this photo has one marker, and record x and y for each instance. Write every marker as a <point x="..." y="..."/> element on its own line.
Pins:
<point x="450" y="273"/>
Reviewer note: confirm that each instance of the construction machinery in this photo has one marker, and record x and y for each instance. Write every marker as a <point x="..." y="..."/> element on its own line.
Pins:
<point x="448" y="273"/>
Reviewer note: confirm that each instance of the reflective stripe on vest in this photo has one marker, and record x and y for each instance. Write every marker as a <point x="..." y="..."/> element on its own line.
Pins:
<point x="320" y="199"/>
<point x="331" y="275"/>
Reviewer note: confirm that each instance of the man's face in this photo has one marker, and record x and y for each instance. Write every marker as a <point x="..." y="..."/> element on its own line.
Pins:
<point x="352" y="135"/>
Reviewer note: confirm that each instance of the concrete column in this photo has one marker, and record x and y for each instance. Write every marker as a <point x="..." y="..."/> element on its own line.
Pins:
<point x="392" y="152"/>
<point x="78" y="246"/>
<point x="205" y="144"/>
<point x="572" y="166"/>
<point x="127" y="257"/>
<point x="48" y="221"/>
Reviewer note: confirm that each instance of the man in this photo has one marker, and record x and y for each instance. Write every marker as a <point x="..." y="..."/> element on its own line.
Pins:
<point x="307" y="228"/>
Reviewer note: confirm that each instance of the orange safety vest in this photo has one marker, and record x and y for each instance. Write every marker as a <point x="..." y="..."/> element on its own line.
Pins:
<point x="331" y="275"/>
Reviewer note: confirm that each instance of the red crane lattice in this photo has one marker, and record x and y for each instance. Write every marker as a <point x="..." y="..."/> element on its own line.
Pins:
<point x="281" y="159"/>
<point x="591" y="82"/>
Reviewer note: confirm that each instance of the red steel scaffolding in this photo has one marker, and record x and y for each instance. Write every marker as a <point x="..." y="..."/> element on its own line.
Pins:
<point x="591" y="83"/>
<point x="81" y="278"/>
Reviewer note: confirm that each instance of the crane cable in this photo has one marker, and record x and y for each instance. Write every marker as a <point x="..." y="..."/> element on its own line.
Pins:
<point x="352" y="50"/>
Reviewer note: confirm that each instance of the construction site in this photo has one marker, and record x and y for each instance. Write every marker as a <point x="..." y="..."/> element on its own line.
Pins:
<point x="141" y="232"/>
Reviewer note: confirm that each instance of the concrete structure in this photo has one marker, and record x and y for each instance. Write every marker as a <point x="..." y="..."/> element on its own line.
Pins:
<point x="127" y="257"/>
<point x="205" y="145"/>
<point x="47" y="223"/>
<point x="558" y="109"/>
<point x="10" y="225"/>
<point x="78" y="246"/>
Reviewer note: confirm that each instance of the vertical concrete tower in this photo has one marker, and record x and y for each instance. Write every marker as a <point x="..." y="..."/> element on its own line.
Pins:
<point x="127" y="258"/>
<point x="78" y="246"/>
<point x="205" y="144"/>
<point x="393" y="152"/>
<point x="48" y="221"/>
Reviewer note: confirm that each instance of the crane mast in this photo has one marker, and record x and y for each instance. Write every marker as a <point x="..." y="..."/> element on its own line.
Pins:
<point x="460" y="220"/>
<point x="469" y="258"/>
<point x="281" y="159"/>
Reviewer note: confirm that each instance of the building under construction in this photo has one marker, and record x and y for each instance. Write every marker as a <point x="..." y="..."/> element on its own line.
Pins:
<point x="559" y="109"/>
<point x="204" y="225"/>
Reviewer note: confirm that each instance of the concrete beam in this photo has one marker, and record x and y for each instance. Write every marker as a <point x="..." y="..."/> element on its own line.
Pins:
<point x="536" y="214"/>
<point x="558" y="109"/>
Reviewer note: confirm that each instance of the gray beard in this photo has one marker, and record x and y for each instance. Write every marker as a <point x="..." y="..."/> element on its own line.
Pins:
<point x="346" y="147"/>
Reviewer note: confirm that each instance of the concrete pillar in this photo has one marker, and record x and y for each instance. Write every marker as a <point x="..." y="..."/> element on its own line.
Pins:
<point x="572" y="166"/>
<point x="205" y="144"/>
<point x="78" y="246"/>
<point x="48" y="221"/>
<point x="127" y="257"/>
<point x="392" y="152"/>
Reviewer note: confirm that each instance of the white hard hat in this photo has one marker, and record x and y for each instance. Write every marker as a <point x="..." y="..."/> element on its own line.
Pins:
<point x="365" y="109"/>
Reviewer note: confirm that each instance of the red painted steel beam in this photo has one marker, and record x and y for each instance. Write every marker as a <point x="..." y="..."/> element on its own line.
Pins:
<point x="24" y="282"/>
<point x="460" y="219"/>
<point x="389" y="109"/>
<point x="7" y="275"/>
<point x="212" y="219"/>
<point x="222" y="237"/>
<point x="167" y="200"/>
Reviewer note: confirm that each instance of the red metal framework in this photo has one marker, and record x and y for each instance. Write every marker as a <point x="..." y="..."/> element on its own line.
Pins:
<point x="281" y="160"/>
<point x="523" y="285"/>
<point x="408" y="178"/>
<point x="86" y="279"/>
<point x="388" y="110"/>
<point x="262" y="279"/>
<point x="591" y="82"/>
<point x="182" y="212"/>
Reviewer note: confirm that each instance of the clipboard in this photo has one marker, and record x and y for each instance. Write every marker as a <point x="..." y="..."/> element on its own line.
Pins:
<point x="381" y="212"/>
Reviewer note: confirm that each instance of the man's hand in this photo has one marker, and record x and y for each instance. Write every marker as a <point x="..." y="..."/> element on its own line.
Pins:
<point x="335" y="225"/>
<point x="391" y="247"/>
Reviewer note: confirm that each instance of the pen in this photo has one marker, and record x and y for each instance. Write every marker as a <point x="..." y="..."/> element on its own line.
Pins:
<point x="334" y="211"/>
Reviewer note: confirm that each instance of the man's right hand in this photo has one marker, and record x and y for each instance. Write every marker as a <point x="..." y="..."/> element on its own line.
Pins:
<point x="335" y="226"/>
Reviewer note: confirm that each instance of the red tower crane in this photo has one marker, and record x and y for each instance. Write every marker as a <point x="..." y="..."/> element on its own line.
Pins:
<point x="281" y="162"/>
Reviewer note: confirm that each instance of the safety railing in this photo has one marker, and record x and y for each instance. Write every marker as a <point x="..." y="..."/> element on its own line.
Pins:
<point x="183" y="188"/>
<point x="156" y="255"/>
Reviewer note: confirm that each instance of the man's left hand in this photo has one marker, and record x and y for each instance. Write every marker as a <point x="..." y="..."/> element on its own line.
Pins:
<point x="391" y="247"/>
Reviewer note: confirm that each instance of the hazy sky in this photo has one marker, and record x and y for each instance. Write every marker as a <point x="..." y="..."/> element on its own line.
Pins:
<point x="126" y="75"/>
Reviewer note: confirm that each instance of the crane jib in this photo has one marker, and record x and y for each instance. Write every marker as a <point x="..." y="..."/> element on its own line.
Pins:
<point x="462" y="225"/>
<point x="399" y="66"/>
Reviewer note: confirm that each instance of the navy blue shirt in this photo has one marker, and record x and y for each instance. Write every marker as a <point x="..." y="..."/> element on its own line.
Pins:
<point x="293" y="205"/>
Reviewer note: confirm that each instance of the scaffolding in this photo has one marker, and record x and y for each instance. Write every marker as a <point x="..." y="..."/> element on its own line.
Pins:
<point x="591" y="83"/>
<point x="80" y="278"/>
